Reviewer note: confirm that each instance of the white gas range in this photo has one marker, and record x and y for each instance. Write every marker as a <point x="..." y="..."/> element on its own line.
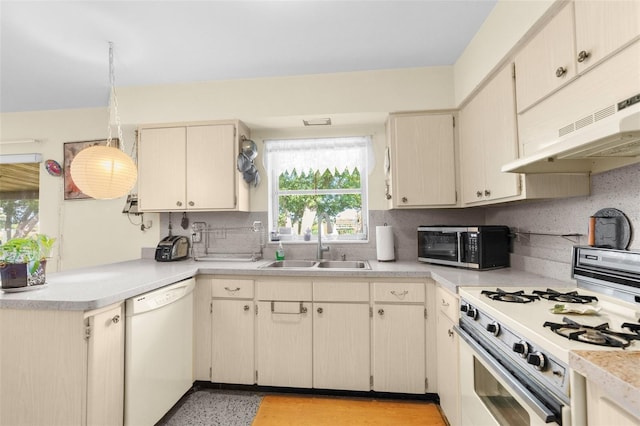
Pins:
<point x="515" y="344"/>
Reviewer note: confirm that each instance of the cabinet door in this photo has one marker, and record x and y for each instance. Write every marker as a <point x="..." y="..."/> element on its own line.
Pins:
<point x="341" y="346"/>
<point x="211" y="167"/>
<point x="602" y="27"/>
<point x="472" y="150"/>
<point x="488" y="139"/>
<point x="547" y="62"/>
<point x="202" y="328"/>
<point x="161" y="169"/>
<point x="399" y="348"/>
<point x="283" y="339"/>
<point x="603" y="410"/>
<point x="500" y="135"/>
<point x="105" y="372"/>
<point x="447" y="347"/>
<point x="232" y="345"/>
<point x="423" y="160"/>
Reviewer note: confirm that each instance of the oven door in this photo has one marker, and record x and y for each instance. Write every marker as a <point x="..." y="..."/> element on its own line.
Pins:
<point x="440" y="245"/>
<point x="491" y="395"/>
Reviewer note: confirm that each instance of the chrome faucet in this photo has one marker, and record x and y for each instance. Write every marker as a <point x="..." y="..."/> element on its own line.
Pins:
<point x="321" y="248"/>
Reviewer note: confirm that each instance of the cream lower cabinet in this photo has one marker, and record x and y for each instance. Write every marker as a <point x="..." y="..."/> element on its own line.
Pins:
<point x="447" y="348"/>
<point x="284" y="333"/>
<point x="62" y="367"/>
<point x="341" y="335"/>
<point x="399" y="337"/>
<point x="232" y="331"/>
<point x="605" y="411"/>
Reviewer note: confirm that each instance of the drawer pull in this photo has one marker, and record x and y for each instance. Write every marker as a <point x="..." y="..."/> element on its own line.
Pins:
<point x="233" y="290"/>
<point x="400" y="294"/>
<point x="115" y="319"/>
<point x="302" y="310"/>
<point x="444" y="303"/>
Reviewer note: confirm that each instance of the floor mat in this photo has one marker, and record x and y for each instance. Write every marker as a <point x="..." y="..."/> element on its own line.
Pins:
<point x="213" y="407"/>
<point x="277" y="410"/>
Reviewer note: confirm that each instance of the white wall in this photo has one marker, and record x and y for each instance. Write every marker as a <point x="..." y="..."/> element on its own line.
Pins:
<point x="89" y="232"/>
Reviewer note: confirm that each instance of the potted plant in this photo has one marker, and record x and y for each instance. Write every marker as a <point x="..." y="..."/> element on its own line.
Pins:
<point x="23" y="261"/>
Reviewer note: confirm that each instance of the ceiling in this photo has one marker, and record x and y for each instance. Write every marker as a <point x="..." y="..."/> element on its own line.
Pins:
<point x="54" y="54"/>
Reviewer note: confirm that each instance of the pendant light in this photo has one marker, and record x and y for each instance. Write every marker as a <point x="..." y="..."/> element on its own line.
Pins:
<point x="106" y="172"/>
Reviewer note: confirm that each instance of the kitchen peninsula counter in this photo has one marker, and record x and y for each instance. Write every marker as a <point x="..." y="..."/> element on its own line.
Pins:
<point x="95" y="287"/>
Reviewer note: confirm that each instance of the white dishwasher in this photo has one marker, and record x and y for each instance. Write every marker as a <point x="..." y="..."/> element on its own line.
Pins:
<point x="158" y="352"/>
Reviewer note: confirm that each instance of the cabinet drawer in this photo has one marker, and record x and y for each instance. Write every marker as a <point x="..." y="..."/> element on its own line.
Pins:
<point x="399" y="292"/>
<point x="234" y="289"/>
<point x="285" y="290"/>
<point x="340" y="291"/>
<point x="447" y="303"/>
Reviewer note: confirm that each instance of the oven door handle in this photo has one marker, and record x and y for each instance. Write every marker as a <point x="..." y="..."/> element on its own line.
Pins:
<point x="540" y="409"/>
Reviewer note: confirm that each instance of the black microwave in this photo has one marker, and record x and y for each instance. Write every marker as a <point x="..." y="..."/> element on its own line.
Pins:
<point x="473" y="247"/>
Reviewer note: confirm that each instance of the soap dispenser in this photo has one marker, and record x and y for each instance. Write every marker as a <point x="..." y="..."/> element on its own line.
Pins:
<point x="280" y="252"/>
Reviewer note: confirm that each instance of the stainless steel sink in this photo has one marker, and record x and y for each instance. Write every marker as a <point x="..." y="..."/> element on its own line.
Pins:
<point x="291" y="264"/>
<point x="344" y="264"/>
<point x="322" y="264"/>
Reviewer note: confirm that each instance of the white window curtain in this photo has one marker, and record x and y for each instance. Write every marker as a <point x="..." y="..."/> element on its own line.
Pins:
<point x="319" y="154"/>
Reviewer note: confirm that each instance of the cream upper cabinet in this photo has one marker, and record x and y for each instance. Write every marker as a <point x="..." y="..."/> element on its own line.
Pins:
<point x="603" y="27"/>
<point x="488" y="139"/>
<point x="547" y="62"/>
<point x="191" y="167"/>
<point x="421" y="160"/>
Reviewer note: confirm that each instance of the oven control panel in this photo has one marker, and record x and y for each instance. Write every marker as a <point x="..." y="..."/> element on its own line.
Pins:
<point x="515" y="351"/>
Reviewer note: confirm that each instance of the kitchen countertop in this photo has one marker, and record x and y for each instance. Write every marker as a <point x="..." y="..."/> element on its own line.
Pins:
<point x="615" y="371"/>
<point x="91" y="288"/>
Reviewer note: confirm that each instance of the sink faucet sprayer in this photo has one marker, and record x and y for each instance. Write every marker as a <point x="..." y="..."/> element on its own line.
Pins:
<point x="322" y="248"/>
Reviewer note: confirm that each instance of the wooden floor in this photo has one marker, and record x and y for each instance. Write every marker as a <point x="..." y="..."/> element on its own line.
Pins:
<point x="276" y="410"/>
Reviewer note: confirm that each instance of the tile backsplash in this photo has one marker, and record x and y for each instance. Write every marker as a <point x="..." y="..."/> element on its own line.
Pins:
<point x="548" y="255"/>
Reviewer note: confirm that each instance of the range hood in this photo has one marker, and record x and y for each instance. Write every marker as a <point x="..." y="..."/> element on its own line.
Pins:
<point x="602" y="141"/>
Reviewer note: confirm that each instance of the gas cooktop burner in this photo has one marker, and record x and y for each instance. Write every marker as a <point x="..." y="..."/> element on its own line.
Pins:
<point x="570" y="297"/>
<point x="598" y="335"/>
<point x="513" y="297"/>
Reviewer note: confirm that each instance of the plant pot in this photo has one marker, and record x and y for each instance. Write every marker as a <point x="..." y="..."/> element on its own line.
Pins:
<point x="17" y="276"/>
<point x="13" y="275"/>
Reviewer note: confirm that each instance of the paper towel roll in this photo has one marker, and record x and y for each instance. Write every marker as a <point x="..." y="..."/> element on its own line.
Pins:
<point x="384" y="243"/>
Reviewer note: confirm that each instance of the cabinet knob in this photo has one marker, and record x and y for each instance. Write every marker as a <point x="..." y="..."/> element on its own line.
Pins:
<point x="178" y="203"/>
<point x="404" y="199"/>
<point x="583" y="55"/>
<point x="478" y="194"/>
<point x="561" y="71"/>
<point x="320" y="310"/>
<point x="246" y="307"/>
<point x="487" y="192"/>
<point x="115" y="319"/>
<point x="381" y="312"/>
<point x="450" y="333"/>
<point x="191" y="203"/>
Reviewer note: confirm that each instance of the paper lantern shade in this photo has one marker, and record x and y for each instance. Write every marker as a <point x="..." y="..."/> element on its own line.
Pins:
<point x="104" y="172"/>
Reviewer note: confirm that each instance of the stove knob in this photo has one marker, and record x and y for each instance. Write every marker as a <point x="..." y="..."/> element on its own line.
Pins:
<point x="493" y="328"/>
<point x="521" y="348"/>
<point x="472" y="312"/>
<point x="538" y="360"/>
<point x="463" y="308"/>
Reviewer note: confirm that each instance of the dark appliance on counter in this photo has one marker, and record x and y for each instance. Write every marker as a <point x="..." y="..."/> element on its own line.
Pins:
<point x="473" y="247"/>
<point x="173" y="247"/>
